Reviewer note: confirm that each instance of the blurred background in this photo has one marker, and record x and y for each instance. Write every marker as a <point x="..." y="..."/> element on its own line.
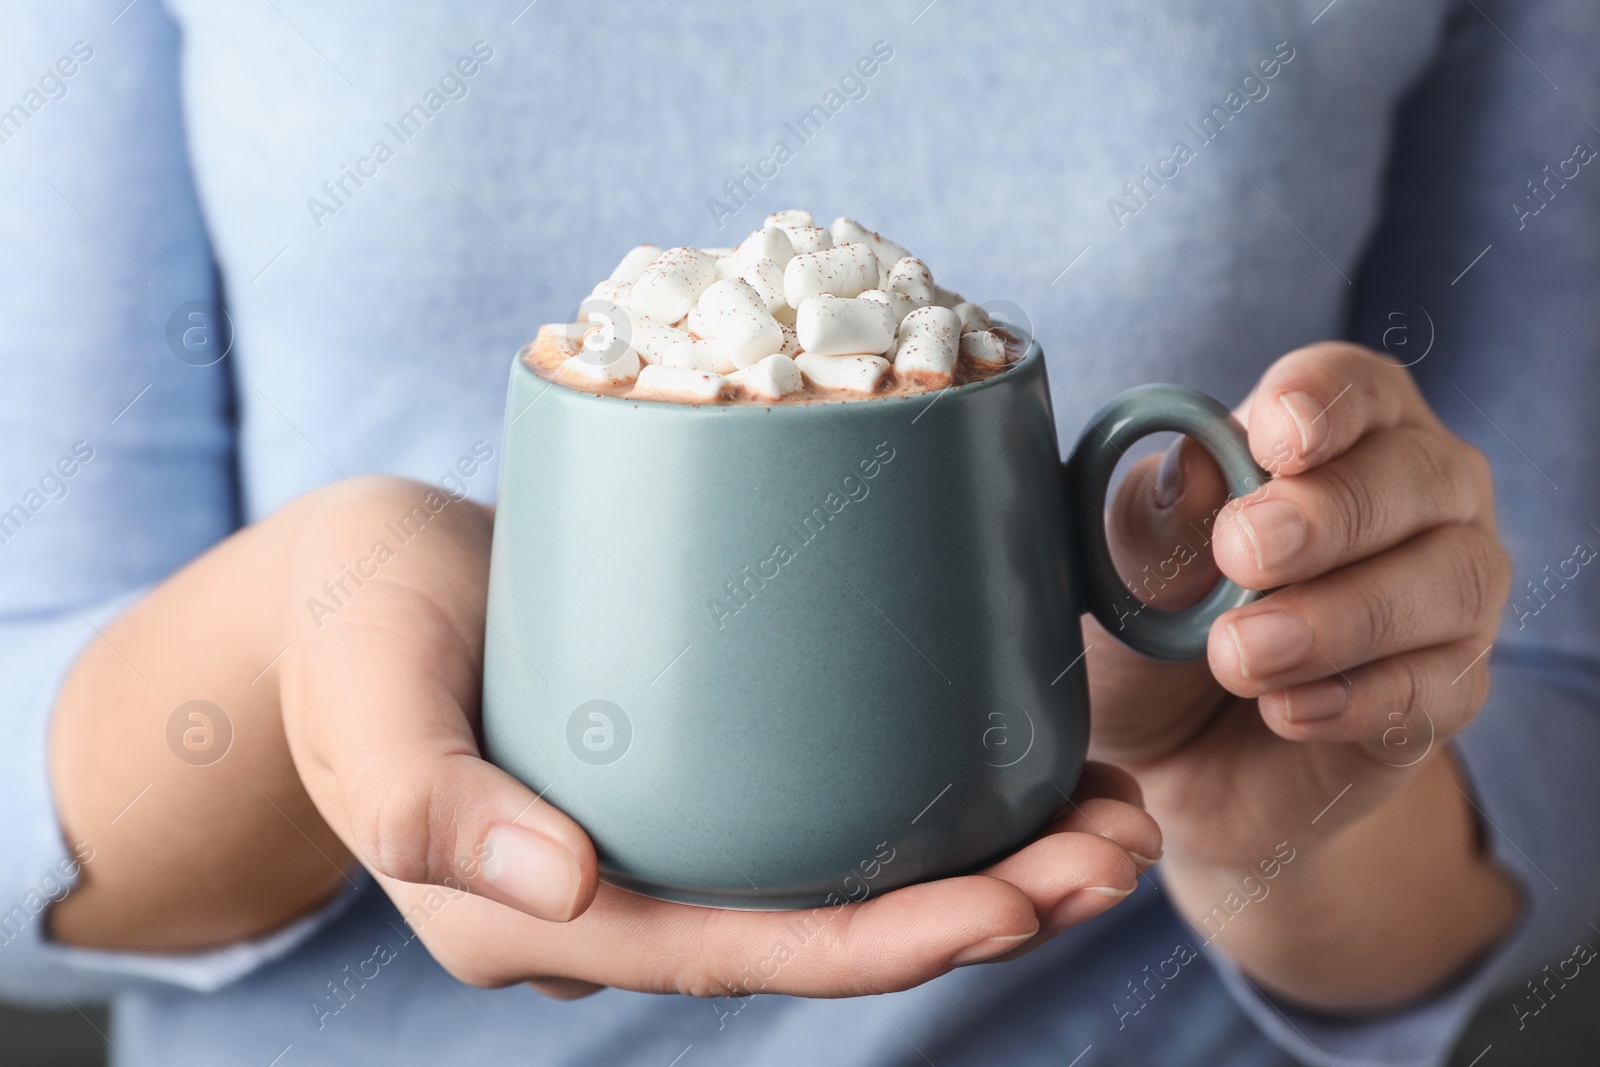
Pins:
<point x="1567" y="1031"/>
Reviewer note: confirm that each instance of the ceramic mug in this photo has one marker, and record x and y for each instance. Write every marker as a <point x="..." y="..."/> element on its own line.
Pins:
<point x="788" y="656"/>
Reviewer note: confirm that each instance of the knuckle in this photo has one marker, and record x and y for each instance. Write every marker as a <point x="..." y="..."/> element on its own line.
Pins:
<point x="1435" y="470"/>
<point x="1477" y="463"/>
<point x="1359" y="511"/>
<point x="1411" y="685"/>
<point x="1479" y="566"/>
<point x="395" y="822"/>
<point x="695" y="981"/>
<point x="1381" y="619"/>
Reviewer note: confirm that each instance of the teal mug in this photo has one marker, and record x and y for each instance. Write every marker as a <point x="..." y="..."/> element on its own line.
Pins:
<point x="789" y="656"/>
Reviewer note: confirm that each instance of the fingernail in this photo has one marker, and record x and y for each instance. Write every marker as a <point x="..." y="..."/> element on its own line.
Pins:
<point x="1315" y="701"/>
<point x="1169" y="478"/>
<point x="1145" y="862"/>
<point x="1307" y="418"/>
<point x="1268" y="643"/>
<point x="1276" y="530"/>
<point x="989" y="948"/>
<point x="533" y="870"/>
<point x="1083" y="904"/>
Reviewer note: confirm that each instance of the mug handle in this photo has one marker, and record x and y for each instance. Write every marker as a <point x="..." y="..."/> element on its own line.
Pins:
<point x="1128" y="416"/>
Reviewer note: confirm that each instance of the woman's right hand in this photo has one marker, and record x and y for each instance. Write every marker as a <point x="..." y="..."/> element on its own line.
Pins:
<point x="380" y="706"/>
<point x="359" y="743"/>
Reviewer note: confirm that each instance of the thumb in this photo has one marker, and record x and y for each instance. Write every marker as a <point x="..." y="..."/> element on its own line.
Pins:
<point x="1160" y="526"/>
<point x="454" y="820"/>
<point x="380" y="701"/>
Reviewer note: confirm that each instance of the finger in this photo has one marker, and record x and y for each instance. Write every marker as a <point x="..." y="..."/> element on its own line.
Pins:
<point x="1316" y="402"/>
<point x="886" y="943"/>
<point x="1442" y="586"/>
<point x="1388" y="487"/>
<point x="564" y="988"/>
<point x="1132" y="829"/>
<point x="1109" y="781"/>
<point x="1159" y="524"/>
<point x="1397" y="707"/>
<point x="1071" y="877"/>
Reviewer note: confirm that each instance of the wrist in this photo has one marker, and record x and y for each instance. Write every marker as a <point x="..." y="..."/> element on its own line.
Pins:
<point x="201" y="832"/>
<point x="1381" y="912"/>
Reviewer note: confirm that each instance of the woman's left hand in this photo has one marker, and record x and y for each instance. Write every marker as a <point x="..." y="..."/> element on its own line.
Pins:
<point x="1332" y="697"/>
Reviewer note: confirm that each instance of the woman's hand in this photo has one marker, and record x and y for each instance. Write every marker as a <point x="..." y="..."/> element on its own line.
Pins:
<point x="343" y="640"/>
<point x="380" y="706"/>
<point x="1321" y="712"/>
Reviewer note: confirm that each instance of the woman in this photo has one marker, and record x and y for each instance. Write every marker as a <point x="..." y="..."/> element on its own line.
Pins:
<point x="388" y="202"/>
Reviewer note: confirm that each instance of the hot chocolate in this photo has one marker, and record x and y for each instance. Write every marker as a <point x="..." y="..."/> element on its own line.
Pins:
<point x="795" y="314"/>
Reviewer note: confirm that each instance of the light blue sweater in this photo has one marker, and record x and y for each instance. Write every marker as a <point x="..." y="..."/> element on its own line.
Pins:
<point x="391" y="197"/>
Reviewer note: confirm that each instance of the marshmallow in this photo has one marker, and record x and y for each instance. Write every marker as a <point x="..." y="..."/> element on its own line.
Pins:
<point x="973" y="318"/>
<point x="840" y="326"/>
<point x="567" y="331"/>
<point x="770" y="242"/>
<point x="808" y="238"/>
<point x="578" y="371"/>
<point x="616" y="292"/>
<point x="737" y="316"/>
<point x="930" y="340"/>
<point x="695" y="323"/>
<point x="652" y="339"/>
<point x="730" y="266"/>
<point x="844" y="270"/>
<point x="766" y="278"/>
<point x="912" y="277"/>
<point x="634" y="263"/>
<point x="681" y="383"/>
<point x="898" y="303"/>
<point x="668" y="288"/>
<point x="620" y="293"/>
<point x="983" y="346"/>
<point x="849" y="231"/>
<point x="793" y="217"/>
<point x="791" y="340"/>
<point x="774" y="377"/>
<point x="858" y="374"/>
<point x="945" y="298"/>
<point x="699" y="355"/>
<point x="717" y="253"/>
